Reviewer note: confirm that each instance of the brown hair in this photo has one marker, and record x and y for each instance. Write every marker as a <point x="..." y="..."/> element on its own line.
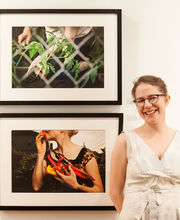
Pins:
<point x="152" y="80"/>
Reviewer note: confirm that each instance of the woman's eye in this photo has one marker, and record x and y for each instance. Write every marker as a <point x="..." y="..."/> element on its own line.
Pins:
<point x="140" y="101"/>
<point x="152" y="98"/>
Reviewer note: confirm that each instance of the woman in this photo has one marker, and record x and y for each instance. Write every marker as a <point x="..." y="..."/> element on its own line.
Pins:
<point x="81" y="157"/>
<point x="145" y="167"/>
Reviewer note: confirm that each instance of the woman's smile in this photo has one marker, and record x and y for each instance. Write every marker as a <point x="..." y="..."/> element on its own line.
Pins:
<point x="150" y="112"/>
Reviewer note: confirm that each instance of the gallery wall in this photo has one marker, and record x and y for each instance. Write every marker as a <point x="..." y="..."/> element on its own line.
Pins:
<point x="150" y="45"/>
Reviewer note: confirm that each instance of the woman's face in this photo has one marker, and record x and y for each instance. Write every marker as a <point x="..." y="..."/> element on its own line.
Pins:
<point x="151" y="113"/>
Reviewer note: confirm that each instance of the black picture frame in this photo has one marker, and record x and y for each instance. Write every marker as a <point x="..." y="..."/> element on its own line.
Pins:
<point x="113" y="65"/>
<point x="111" y="123"/>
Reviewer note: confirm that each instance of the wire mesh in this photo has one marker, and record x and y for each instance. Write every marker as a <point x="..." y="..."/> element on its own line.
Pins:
<point x="86" y="61"/>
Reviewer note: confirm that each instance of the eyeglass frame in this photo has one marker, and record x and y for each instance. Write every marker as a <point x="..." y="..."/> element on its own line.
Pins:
<point x="148" y="98"/>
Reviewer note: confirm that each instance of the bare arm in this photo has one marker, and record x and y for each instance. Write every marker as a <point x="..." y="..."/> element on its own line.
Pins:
<point x="118" y="172"/>
<point x="93" y="170"/>
<point x="40" y="166"/>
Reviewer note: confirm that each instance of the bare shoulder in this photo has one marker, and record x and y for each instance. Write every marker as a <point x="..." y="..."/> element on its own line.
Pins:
<point x="122" y="136"/>
<point x="120" y="144"/>
<point x="121" y="139"/>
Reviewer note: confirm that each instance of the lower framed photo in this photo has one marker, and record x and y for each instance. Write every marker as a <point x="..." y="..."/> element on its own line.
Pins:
<point x="56" y="161"/>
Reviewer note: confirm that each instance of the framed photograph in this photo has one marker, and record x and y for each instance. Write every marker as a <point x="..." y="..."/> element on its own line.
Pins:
<point x="56" y="161"/>
<point x="60" y="57"/>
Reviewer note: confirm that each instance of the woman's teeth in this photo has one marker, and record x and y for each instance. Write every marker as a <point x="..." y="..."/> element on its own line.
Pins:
<point x="150" y="112"/>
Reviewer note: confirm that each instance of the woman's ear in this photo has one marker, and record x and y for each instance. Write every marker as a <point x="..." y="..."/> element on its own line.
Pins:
<point x="168" y="99"/>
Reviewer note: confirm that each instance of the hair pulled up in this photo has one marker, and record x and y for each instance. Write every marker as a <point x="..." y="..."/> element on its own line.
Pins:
<point x="152" y="80"/>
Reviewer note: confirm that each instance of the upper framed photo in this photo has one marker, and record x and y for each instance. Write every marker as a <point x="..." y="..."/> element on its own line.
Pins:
<point x="60" y="57"/>
<point x="56" y="161"/>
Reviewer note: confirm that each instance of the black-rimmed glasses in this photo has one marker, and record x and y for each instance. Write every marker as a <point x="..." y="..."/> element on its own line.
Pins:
<point x="151" y="99"/>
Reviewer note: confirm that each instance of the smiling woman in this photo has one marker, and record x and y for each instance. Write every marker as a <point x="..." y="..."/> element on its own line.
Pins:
<point x="150" y="101"/>
<point x="145" y="183"/>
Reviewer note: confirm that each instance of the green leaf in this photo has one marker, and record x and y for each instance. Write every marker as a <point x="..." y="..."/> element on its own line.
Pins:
<point x="101" y="63"/>
<point x="93" y="75"/>
<point x="17" y="52"/>
<point x="39" y="47"/>
<point x="50" y="32"/>
<point x="30" y="46"/>
<point x="97" y="55"/>
<point x="67" y="54"/>
<point x="76" y="66"/>
<point x="14" y="82"/>
<point x="76" y="74"/>
<point x="58" y="45"/>
<point x="45" y="58"/>
<point x="13" y="62"/>
<point x="42" y="64"/>
<point x="47" y="70"/>
<point x="14" y="46"/>
<point x="64" y="41"/>
<point x="14" y="67"/>
<point x="70" y="65"/>
<point x="52" y="68"/>
<point x="85" y="81"/>
<point x="34" y="47"/>
<point x="94" y="41"/>
<point x="50" y="39"/>
<point x="32" y="52"/>
<point x="64" y="48"/>
<point x="55" y="30"/>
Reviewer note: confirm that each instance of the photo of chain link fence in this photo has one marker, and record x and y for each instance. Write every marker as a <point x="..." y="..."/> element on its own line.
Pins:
<point x="52" y="60"/>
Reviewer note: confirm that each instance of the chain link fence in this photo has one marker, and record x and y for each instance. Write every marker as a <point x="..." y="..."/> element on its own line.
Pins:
<point x="80" y="67"/>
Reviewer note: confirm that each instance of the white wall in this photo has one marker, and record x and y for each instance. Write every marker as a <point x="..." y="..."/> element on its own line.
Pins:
<point x="151" y="45"/>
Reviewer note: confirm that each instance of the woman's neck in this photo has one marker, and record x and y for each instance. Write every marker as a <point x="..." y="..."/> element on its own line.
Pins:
<point x="66" y="145"/>
<point x="156" y="128"/>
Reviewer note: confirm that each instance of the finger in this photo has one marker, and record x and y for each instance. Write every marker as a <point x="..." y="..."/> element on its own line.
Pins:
<point x="20" y="39"/>
<point x="39" y="137"/>
<point x="60" y="175"/>
<point x="37" y="140"/>
<point x="19" y="42"/>
<point x="28" y="39"/>
<point x="71" y="170"/>
<point x="43" y="73"/>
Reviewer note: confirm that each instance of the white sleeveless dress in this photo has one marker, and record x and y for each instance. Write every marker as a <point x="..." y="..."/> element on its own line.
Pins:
<point x="152" y="187"/>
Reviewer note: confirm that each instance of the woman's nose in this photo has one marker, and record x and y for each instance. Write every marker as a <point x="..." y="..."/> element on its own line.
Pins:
<point x="147" y="103"/>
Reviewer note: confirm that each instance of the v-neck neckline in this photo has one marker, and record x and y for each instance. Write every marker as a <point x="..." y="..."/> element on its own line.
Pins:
<point x="167" y="149"/>
<point x="70" y="159"/>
